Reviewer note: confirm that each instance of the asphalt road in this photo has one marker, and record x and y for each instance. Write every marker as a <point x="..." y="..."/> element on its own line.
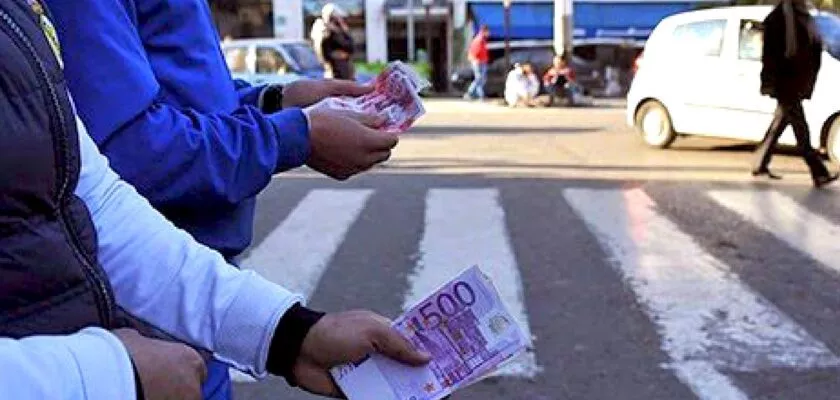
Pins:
<point x="640" y="273"/>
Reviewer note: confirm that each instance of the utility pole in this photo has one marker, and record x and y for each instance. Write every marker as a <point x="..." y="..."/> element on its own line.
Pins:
<point x="563" y="27"/>
<point x="427" y="4"/>
<point x="410" y="29"/>
<point x="506" y="4"/>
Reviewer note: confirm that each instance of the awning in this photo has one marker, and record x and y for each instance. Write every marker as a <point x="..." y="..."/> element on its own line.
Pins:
<point x="594" y="22"/>
<point x="528" y="20"/>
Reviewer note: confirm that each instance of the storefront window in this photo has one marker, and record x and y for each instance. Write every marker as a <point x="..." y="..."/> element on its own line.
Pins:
<point x="237" y="19"/>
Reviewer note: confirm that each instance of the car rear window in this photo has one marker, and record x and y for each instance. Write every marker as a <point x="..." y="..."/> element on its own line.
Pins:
<point x="699" y="39"/>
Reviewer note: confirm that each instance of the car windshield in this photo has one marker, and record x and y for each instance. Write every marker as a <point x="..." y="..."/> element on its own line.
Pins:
<point x="304" y="56"/>
<point x="829" y="27"/>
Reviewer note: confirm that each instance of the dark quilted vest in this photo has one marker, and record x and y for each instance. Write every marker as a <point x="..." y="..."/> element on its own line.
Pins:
<point x="50" y="280"/>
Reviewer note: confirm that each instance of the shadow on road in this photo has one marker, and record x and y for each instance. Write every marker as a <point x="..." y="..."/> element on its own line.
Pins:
<point x="514" y="130"/>
<point x="434" y="163"/>
<point x="739" y="147"/>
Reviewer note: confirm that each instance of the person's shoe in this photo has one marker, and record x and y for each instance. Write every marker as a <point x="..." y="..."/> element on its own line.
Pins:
<point x="825" y="180"/>
<point x="766" y="173"/>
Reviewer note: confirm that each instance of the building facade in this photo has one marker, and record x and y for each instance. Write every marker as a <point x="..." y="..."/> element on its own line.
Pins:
<point x="438" y="30"/>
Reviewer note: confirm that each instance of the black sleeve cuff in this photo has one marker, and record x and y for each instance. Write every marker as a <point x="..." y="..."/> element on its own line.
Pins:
<point x="138" y="385"/>
<point x="288" y="339"/>
<point x="271" y="99"/>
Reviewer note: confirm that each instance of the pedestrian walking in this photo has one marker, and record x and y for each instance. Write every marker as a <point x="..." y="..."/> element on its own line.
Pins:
<point x="479" y="57"/>
<point x="791" y="59"/>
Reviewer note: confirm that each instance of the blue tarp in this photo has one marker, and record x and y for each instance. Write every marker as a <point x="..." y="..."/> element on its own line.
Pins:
<point x="593" y="21"/>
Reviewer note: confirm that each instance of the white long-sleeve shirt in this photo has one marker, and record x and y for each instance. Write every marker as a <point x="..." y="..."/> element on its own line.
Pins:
<point x="519" y="86"/>
<point x="159" y="274"/>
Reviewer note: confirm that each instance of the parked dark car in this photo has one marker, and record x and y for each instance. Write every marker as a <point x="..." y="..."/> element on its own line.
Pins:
<point x="541" y="57"/>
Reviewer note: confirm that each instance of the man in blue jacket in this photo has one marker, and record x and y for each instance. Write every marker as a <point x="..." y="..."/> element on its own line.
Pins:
<point x="150" y="81"/>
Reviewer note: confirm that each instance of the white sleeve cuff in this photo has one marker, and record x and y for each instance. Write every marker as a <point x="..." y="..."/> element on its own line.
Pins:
<point x="244" y="342"/>
<point x="104" y="365"/>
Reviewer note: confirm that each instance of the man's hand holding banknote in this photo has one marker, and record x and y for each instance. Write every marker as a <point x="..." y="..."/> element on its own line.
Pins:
<point x="465" y="328"/>
<point x="354" y="127"/>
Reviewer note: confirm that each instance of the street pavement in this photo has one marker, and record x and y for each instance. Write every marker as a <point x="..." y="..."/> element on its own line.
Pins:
<point x="639" y="273"/>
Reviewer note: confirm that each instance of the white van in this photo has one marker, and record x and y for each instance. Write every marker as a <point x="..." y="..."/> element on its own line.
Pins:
<point x="700" y="75"/>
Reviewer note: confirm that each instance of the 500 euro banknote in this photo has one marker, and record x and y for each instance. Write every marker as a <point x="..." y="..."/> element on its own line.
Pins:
<point x="464" y="326"/>
<point x="395" y="97"/>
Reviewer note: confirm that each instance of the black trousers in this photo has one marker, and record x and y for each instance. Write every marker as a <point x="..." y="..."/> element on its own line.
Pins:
<point x="789" y="112"/>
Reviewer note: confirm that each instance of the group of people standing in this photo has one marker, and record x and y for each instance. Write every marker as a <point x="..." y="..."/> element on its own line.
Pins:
<point x="129" y="165"/>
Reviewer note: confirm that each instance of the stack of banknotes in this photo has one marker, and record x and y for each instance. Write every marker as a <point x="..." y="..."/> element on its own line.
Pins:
<point x="396" y="97"/>
<point x="464" y="326"/>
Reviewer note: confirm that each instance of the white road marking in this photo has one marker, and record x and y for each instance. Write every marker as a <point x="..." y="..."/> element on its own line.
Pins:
<point x="466" y="227"/>
<point x="299" y="250"/>
<point x="297" y="253"/>
<point x="709" y="320"/>
<point x="783" y="217"/>
<point x="705" y="381"/>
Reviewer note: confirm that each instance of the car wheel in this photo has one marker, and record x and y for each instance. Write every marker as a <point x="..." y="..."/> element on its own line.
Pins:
<point x="654" y="124"/>
<point x="832" y="142"/>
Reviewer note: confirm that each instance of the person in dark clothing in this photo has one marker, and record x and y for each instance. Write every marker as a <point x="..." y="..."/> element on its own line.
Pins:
<point x="791" y="60"/>
<point x="337" y="44"/>
<point x="558" y="79"/>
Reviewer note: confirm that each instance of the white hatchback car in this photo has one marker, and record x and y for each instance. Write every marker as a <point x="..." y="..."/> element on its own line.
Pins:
<point x="700" y="75"/>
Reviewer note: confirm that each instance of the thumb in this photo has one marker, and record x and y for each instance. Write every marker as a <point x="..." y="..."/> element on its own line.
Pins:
<point x="391" y="344"/>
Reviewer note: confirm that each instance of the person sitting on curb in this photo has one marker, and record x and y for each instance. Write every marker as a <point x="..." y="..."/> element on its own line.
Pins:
<point x="522" y="86"/>
<point x="558" y="80"/>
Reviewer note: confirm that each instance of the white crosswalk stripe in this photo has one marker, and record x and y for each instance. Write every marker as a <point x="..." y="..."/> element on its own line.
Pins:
<point x="708" y="318"/>
<point x="297" y="253"/>
<point x="710" y="322"/>
<point x="299" y="250"/>
<point x="787" y="220"/>
<point x="466" y="227"/>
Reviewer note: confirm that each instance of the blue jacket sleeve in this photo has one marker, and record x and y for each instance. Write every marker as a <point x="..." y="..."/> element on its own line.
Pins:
<point x="183" y="157"/>
<point x="175" y="155"/>
<point x="248" y="95"/>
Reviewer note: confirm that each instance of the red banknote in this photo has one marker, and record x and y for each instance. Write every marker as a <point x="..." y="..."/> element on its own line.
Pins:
<point x="395" y="97"/>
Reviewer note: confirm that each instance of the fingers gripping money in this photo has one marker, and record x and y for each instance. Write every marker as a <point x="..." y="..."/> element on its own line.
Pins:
<point x="395" y="99"/>
<point x="466" y="329"/>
